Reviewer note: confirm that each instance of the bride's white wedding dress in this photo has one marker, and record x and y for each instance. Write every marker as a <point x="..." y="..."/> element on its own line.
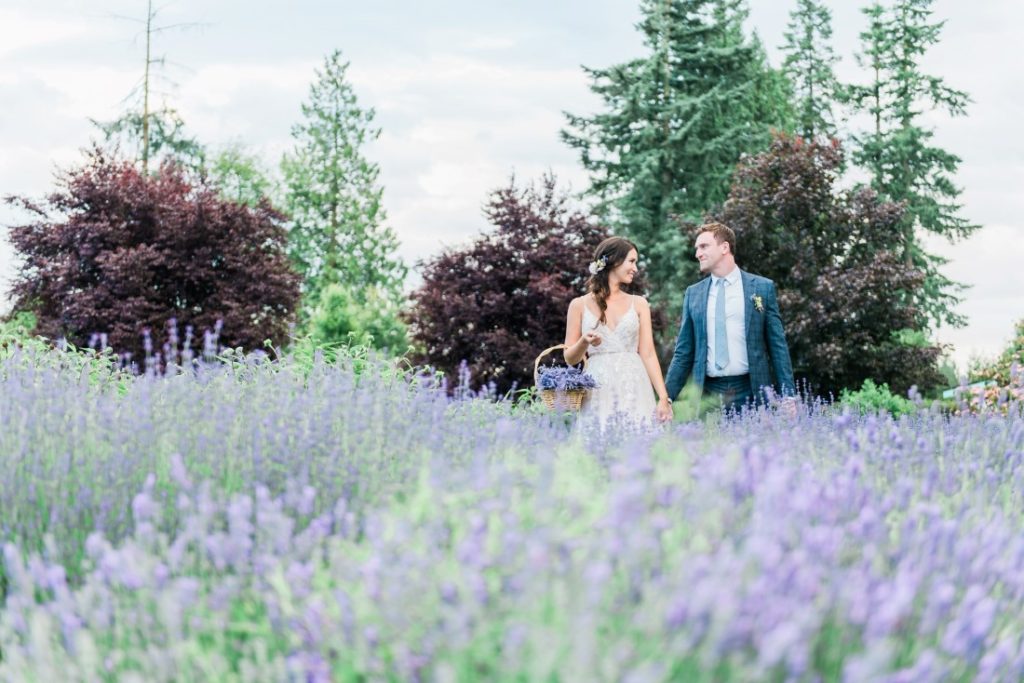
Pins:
<point x="624" y="395"/>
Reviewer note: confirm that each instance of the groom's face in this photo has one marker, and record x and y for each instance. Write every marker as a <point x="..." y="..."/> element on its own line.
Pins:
<point x="708" y="251"/>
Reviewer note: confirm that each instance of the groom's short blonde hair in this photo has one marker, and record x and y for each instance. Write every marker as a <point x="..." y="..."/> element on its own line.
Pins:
<point x="722" y="233"/>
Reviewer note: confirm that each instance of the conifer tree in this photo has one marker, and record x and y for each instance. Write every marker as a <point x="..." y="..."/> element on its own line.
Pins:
<point x="898" y="152"/>
<point x="675" y="123"/>
<point x="337" y="233"/>
<point x="809" y="65"/>
<point x="153" y="134"/>
<point x="876" y="46"/>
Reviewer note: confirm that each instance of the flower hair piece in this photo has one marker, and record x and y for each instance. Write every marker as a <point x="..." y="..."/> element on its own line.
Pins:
<point x="597" y="266"/>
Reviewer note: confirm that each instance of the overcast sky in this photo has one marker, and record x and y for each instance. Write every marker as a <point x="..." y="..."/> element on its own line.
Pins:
<point x="468" y="92"/>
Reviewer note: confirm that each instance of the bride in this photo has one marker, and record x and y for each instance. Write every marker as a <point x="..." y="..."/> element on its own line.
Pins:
<point x="612" y="327"/>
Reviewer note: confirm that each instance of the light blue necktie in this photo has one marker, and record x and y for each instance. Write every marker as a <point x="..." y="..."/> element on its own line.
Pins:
<point x="721" y="336"/>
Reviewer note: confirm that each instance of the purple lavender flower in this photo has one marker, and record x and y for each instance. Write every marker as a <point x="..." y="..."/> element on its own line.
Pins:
<point x="565" y="379"/>
<point x="316" y="518"/>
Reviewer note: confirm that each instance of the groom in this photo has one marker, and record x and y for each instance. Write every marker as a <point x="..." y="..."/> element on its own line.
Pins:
<point x="732" y="335"/>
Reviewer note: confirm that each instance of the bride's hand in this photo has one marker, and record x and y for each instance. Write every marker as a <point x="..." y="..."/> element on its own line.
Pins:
<point x="593" y="338"/>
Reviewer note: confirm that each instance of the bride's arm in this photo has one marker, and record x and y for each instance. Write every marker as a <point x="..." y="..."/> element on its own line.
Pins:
<point x="649" y="356"/>
<point x="576" y="343"/>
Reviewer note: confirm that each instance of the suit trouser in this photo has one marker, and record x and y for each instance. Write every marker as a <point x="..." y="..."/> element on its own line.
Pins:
<point x="734" y="391"/>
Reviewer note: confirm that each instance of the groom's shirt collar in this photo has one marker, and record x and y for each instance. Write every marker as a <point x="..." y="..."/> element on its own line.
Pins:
<point x="730" y="279"/>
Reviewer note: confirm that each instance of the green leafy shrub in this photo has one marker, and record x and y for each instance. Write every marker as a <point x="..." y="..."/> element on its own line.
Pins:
<point x="340" y="317"/>
<point x="917" y="339"/>
<point x="16" y="332"/>
<point x="871" y="398"/>
<point x="22" y="347"/>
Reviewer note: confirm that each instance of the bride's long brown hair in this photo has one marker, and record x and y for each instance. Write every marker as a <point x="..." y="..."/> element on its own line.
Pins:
<point x="614" y="251"/>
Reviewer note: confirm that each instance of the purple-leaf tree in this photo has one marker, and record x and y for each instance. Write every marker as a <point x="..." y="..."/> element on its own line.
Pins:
<point x="499" y="301"/>
<point x="847" y="299"/>
<point x="116" y="251"/>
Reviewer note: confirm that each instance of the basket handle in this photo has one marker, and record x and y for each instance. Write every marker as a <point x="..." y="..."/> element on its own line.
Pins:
<point x="536" y="362"/>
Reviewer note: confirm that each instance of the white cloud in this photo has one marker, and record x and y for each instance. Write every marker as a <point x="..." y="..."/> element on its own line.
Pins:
<point x="490" y="43"/>
<point x="20" y="29"/>
<point x="989" y="264"/>
<point x="218" y="85"/>
<point x="87" y="91"/>
<point x="472" y="77"/>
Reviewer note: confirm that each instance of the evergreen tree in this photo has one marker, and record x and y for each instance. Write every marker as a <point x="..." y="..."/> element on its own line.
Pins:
<point x="675" y="124"/>
<point x="337" y="233"/>
<point x="875" y="48"/>
<point x="154" y="136"/>
<point x="898" y="151"/>
<point x="808" y="64"/>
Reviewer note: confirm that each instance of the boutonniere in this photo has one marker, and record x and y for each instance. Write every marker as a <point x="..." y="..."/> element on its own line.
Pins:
<point x="758" y="302"/>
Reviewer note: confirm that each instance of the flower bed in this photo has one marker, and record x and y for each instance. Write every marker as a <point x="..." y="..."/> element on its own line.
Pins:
<point x="257" y="523"/>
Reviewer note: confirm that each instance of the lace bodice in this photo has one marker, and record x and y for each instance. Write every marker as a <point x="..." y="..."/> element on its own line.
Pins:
<point x="625" y="336"/>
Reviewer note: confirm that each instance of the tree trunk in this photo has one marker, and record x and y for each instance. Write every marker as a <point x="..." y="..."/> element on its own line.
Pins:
<point x="145" y="89"/>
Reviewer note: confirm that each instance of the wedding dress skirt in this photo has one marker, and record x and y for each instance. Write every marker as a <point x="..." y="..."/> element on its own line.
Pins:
<point x="624" y="397"/>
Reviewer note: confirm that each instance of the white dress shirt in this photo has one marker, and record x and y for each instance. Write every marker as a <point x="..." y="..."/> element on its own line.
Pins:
<point x="735" y="326"/>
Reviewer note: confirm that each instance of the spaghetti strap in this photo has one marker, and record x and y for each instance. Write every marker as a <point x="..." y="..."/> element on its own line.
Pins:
<point x="632" y="307"/>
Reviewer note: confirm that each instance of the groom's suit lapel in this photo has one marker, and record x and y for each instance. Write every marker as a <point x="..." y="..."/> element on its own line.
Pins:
<point x="748" y="301"/>
<point x="701" y="314"/>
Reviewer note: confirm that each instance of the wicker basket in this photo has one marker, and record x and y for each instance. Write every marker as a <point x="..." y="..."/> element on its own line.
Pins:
<point x="571" y="399"/>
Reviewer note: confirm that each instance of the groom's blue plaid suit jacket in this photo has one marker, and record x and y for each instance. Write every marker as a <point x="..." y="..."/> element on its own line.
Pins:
<point x="766" y="340"/>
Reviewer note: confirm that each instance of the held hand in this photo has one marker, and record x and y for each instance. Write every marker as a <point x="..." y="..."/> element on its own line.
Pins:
<point x="592" y="338"/>
<point x="664" y="410"/>
<point x="788" y="407"/>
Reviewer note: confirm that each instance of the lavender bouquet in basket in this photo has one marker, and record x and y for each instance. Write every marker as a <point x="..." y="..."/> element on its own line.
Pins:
<point x="565" y="379"/>
<point x="564" y="388"/>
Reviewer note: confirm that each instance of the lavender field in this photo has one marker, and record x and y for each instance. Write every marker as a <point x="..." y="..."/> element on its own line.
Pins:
<point x="264" y="521"/>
